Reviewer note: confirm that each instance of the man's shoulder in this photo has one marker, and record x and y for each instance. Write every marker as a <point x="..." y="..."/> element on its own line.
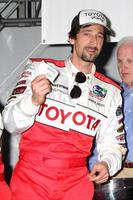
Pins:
<point x="107" y="80"/>
<point x="58" y="63"/>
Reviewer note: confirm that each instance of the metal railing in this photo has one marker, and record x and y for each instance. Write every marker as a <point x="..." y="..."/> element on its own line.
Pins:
<point x="20" y="13"/>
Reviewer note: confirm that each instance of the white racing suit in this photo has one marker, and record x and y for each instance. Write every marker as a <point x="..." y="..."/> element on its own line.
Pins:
<point x="57" y="137"/>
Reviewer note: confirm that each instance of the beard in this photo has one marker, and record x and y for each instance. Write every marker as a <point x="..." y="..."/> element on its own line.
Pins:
<point x="89" y="57"/>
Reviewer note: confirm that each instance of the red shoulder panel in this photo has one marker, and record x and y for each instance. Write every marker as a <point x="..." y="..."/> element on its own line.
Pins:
<point x="59" y="63"/>
<point x="106" y="80"/>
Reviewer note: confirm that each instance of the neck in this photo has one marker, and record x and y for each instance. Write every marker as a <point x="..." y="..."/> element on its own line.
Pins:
<point x="129" y="85"/>
<point x="82" y="66"/>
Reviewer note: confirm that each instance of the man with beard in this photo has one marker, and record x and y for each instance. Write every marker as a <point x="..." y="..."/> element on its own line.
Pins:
<point x="59" y="107"/>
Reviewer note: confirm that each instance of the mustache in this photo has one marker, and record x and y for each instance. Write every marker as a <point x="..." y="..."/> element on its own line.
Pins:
<point x="91" y="48"/>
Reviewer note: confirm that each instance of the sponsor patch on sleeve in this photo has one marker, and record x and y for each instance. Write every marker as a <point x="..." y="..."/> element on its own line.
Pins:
<point x="121" y="137"/>
<point x="119" y="111"/>
<point x="26" y="74"/>
<point x="21" y="82"/>
<point x="19" y="90"/>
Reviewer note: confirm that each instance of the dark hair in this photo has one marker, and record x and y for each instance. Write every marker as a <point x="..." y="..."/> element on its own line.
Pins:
<point x="74" y="32"/>
<point x="75" y="27"/>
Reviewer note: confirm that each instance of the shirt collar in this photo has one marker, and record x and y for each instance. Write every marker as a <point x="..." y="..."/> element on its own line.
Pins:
<point x="126" y="89"/>
<point x="73" y="69"/>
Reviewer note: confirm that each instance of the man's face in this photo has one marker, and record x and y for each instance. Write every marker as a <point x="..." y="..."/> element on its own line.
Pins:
<point x="125" y="63"/>
<point x="88" y="42"/>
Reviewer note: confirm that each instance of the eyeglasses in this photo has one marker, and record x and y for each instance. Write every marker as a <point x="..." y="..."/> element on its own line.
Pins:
<point x="76" y="90"/>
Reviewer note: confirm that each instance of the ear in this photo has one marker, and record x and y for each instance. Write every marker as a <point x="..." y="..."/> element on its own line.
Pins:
<point x="71" y="41"/>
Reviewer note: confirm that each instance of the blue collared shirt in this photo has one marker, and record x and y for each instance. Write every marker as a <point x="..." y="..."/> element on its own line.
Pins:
<point x="128" y="119"/>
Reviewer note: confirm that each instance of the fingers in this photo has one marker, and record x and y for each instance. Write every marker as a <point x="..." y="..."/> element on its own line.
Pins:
<point x="40" y="88"/>
<point x="99" y="178"/>
<point x="40" y="84"/>
<point x="99" y="173"/>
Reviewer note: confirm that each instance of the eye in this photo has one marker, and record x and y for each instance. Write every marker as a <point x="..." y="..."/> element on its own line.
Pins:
<point x="100" y="36"/>
<point x="129" y="61"/>
<point x="119" y="61"/>
<point x="86" y="33"/>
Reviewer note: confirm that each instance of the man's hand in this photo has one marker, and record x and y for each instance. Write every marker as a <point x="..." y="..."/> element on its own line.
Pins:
<point x="99" y="173"/>
<point x="40" y="88"/>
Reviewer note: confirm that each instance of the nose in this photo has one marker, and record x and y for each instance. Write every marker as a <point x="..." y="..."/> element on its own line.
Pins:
<point x="122" y="65"/>
<point x="93" y="40"/>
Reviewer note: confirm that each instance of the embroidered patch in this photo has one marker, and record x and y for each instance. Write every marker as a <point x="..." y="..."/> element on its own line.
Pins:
<point x="19" y="90"/>
<point x="22" y="82"/>
<point x="98" y="92"/>
<point x="120" y="137"/>
<point x="119" y="111"/>
<point x="120" y="129"/>
<point x="25" y="74"/>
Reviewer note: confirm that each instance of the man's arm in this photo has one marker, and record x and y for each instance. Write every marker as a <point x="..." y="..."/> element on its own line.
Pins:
<point x="25" y="101"/>
<point x="110" y="143"/>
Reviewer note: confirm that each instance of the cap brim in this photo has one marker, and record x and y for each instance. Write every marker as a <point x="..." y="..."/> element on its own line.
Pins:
<point x="108" y="30"/>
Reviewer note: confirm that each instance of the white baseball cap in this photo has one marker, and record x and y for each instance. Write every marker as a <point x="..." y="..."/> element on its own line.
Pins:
<point x="90" y="17"/>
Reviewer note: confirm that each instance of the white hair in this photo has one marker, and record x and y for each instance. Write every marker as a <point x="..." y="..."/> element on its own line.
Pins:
<point x="125" y="40"/>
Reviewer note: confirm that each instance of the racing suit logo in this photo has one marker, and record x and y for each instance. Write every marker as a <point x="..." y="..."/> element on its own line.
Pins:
<point x="95" y="15"/>
<point x="66" y="117"/>
<point x="98" y="92"/>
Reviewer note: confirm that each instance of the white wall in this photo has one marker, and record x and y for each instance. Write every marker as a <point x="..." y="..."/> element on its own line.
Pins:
<point x="57" y="17"/>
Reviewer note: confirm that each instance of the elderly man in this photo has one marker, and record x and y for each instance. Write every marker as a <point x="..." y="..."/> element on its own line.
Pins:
<point x="125" y="68"/>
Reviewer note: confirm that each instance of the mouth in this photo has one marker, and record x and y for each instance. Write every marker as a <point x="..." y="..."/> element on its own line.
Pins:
<point x="125" y="74"/>
<point x="91" y="49"/>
